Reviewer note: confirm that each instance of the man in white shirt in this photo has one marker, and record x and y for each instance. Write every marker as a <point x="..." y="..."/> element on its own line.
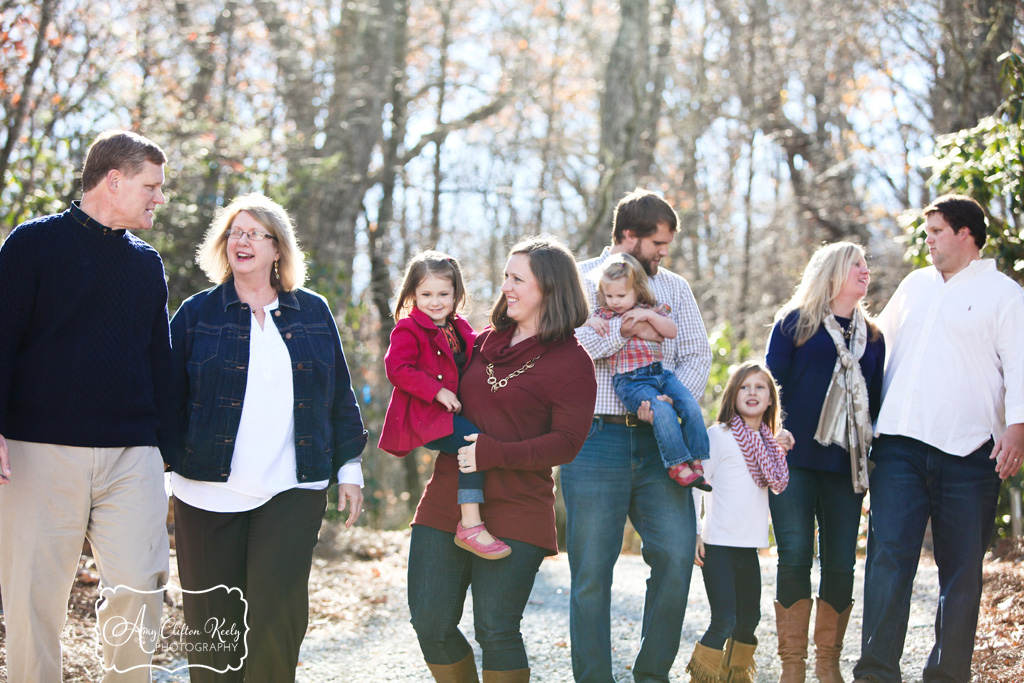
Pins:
<point x="619" y="472"/>
<point x="952" y="402"/>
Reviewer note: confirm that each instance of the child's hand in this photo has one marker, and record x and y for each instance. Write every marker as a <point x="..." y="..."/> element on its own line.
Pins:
<point x="600" y="325"/>
<point x="699" y="556"/>
<point x="467" y="455"/>
<point x="449" y="400"/>
<point x="785" y="440"/>
<point x="637" y="315"/>
<point x="641" y="330"/>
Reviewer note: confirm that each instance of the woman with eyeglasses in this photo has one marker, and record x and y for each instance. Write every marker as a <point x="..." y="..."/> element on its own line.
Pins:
<point x="265" y="419"/>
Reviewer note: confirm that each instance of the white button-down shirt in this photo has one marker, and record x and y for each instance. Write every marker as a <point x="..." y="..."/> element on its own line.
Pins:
<point x="954" y="372"/>
<point x="688" y="356"/>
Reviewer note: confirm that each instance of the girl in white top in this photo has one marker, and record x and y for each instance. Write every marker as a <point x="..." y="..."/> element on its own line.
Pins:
<point x="746" y="460"/>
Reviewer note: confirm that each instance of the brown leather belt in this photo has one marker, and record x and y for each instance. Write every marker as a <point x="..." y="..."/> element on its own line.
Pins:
<point x="629" y="419"/>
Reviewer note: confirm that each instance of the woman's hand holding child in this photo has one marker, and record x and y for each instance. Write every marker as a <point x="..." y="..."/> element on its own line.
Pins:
<point x="467" y="454"/>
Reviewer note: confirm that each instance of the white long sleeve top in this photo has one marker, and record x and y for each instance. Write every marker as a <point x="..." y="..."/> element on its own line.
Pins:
<point x="954" y="371"/>
<point x="736" y="511"/>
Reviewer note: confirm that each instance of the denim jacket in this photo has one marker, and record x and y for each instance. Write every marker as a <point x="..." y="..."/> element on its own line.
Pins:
<point x="209" y="367"/>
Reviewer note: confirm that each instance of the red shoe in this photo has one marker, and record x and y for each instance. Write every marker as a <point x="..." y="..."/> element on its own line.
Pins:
<point x="466" y="539"/>
<point x="678" y="475"/>
<point x="699" y="469"/>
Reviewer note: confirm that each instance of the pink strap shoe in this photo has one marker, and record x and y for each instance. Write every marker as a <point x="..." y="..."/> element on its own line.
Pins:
<point x="466" y="539"/>
<point x="678" y="474"/>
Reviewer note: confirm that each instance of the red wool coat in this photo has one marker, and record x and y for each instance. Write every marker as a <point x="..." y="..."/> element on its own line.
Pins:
<point x="419" y="363"/>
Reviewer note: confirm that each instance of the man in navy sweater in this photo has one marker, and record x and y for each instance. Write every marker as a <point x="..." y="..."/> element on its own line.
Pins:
<point x="84" y="359"/>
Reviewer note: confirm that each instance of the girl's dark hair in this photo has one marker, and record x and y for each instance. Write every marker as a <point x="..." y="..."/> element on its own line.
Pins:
<point x="564" y="305"/>
<point x="423" y="264"/>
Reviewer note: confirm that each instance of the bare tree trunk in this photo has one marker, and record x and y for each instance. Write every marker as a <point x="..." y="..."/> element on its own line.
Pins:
<point x="378" y="236"/>
<point x="336" y="176"/>
<point x="966" y="85"/>
<point x="445" y="9"/>
<point x="17" y="119"/>
<point x="544" y="182"/>
<point x="748" y="234"/>
<point x="622" y="103"/>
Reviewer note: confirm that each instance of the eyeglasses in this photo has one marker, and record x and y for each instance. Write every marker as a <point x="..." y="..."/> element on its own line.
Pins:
<point x="253" y="235"/>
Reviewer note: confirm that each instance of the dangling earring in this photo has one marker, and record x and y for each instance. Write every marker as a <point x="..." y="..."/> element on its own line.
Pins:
<point x="277" y="273"/>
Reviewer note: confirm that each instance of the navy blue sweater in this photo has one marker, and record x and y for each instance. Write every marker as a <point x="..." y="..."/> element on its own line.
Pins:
<point x="803" y="374"/>
<point x="84" y="345"/>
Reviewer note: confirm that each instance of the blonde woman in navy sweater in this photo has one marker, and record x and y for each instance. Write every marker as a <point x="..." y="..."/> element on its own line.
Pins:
<point x="826" y="355"/>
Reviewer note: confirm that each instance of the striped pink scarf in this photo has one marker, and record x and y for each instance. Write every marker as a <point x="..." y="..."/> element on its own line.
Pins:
<point x="765" y="460"/>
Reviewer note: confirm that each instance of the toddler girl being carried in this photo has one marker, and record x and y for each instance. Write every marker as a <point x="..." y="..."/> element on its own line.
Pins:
<point x="430" y="348"/>
<point x="623" y="291"/>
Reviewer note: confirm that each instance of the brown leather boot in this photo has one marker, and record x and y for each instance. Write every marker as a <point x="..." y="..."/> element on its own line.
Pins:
<point x="741" y="663"/>
<point x="829" y="630"/>
<point x="517" y="676"/>
<point x="704" y="664"/>
<point x="463" y="671"/>
<point x="791" y="624"/>
<point x="723" y="671"/>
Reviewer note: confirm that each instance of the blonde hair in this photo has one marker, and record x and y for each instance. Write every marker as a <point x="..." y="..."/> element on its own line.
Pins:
<point x="819" y="286"/>
<point x="622" y="266"/>
<point x="563" y="303"/>
<point x="212" y="254"/>
<point x="420" y="266"/>
<point x="772" y="416"/>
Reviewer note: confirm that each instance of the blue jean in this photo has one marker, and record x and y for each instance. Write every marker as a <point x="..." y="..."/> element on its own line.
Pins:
<point x="440" y="573"/>
<point x="618" y="475"/>
<point x="471" y="484"/>
<point x="827" y="497"/>
<point x="732" y="579"/>
<point x="679" y="426"/>
<point x="911" y="482"/>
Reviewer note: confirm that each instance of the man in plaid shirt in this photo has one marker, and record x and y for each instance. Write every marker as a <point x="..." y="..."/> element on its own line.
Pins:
<point x="619" y="472"/>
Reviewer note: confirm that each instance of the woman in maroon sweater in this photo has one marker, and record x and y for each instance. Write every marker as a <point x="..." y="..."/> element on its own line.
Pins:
<point x="530" y="389"/>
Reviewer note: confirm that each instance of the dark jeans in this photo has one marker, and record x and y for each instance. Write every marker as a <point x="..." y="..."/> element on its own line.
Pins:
<point x="267" y="553"/>
<point x="678" y="426"/>
<point x="471" y="484"/>
<point x="911" y="482"/>
<point x="827" y="497"/>
<point x="619" y="474"/>
<point x="440" y="573"/>
<point x="732" y="578"/>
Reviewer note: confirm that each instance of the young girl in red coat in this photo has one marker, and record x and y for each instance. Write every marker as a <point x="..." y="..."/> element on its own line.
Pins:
<point x="430" y="347"/>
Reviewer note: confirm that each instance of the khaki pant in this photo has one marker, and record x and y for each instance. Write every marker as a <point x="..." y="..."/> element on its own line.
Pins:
<point x="57" y="497"/>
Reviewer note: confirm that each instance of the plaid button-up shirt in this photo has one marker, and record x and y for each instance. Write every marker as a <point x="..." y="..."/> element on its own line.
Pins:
<point x="688" y="356"/>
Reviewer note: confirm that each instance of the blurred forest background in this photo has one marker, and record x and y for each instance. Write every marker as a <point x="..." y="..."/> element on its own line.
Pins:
<point x="390" y="126"/>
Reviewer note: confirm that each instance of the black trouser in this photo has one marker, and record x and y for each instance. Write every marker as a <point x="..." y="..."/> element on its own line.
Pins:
<point x="267" y="554"/>
<point x="732" y="578"/>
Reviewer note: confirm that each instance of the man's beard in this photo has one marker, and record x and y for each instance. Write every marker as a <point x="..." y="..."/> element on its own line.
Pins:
<point x="645" y="263"/>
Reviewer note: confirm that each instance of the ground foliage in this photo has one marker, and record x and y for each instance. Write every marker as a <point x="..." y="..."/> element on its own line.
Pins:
<point x="350" y="568"/>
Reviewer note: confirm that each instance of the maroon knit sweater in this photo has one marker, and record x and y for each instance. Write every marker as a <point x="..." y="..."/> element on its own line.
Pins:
<point x="538" y="420"/>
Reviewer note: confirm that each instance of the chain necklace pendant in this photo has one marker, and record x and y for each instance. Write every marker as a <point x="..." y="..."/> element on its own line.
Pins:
<point x="502" y="383"/>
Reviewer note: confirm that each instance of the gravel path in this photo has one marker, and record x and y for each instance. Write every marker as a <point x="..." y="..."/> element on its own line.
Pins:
<point x="383" y="647"/>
